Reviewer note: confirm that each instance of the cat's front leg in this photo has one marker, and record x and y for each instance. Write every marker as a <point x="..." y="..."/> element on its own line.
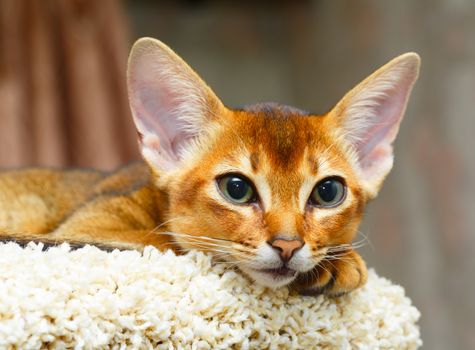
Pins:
<point x="333" y="276"/>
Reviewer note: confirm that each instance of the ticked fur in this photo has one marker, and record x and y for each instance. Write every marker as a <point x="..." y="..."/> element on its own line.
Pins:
<point x="189" y="139"/>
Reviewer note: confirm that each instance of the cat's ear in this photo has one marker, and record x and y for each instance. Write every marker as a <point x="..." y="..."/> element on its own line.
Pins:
<point x="170" y="104"/>
<point x="368" y="117"/>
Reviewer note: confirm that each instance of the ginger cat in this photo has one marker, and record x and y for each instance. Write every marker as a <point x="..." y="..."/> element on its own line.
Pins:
<point x="276" y="191"/>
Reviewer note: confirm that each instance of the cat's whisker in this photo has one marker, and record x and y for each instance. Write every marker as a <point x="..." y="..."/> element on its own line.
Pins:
<point x="198" y="240"/>
<point x="322" y="266"/>
<point x="339" y="258"/>
<point x="200" y="237"/>
<point x="221" y="249"/>
<point x="316" y="274"/>
<point x="340" y="255"/>
<point x="331" y="263"/>
<point x="335" y="256"/>
<point x="218" y="256"/>
<point x="215" y="247"/>
<point x="170" y="220"/>
<point x="338" y="250"/>
<point x="311" y="275"/>
<point x="366" y="238"/>
<point x="346" y="246"/>
<point x="317" y="258"/>
<point x="230" y="254"/>
<point x="202" y="241"/>
<point x="154" y="230"/>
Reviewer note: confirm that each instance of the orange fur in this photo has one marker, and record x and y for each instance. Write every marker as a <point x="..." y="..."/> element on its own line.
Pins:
<point x="282" y="150"/>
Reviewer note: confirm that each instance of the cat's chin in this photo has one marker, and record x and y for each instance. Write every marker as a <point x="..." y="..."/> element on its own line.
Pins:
<point x="272" y="278"/>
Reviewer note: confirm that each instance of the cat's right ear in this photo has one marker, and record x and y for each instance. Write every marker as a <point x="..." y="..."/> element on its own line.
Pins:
<point x="170" y="104"/>
<point x="367" y="118"/>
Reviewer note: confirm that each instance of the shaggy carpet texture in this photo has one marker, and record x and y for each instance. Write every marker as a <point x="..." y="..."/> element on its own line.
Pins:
<point x="92" y="299"/>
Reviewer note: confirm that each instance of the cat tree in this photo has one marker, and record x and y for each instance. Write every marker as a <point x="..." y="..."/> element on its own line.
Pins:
<point x="92" y="299"/>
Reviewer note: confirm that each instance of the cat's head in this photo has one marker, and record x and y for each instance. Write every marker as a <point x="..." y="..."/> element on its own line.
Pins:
<point x="268" y="188"/>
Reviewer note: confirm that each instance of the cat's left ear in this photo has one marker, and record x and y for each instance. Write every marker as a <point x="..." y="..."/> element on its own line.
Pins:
<point x="170" y="104"/>
<point x="368" y="118"/>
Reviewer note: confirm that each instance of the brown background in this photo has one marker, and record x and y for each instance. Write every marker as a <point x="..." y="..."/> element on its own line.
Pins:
<point x="62" y="103"/>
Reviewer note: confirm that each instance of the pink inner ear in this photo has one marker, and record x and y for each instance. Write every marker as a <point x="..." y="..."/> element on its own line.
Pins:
<point x="167" y="100"/>
<point x="388" y="114"/>
<point x="370" y="114"/>
<point x="385" y="111"/>
<point x="157" y="112"/>
<point x="377" y="162"/>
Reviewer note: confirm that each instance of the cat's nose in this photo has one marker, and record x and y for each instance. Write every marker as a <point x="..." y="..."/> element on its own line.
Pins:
<point x="286" y="247"/>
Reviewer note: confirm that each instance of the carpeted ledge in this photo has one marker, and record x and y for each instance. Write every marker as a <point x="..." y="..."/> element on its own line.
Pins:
<point x="92" y="299"/>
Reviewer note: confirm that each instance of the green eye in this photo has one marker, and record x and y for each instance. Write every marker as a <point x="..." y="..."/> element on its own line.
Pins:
<point x="329" y="192"/>
<point x="237" y="189"/>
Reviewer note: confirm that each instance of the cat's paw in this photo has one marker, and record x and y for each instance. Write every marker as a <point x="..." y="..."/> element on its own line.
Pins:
<point x="333" y="277"/>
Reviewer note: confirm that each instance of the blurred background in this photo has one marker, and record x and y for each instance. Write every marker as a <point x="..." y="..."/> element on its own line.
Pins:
<point x="63" y="103"/>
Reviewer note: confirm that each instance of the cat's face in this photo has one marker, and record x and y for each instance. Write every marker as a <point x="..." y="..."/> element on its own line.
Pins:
<point x="269" y="174"/>
<point x="269" y="189"/>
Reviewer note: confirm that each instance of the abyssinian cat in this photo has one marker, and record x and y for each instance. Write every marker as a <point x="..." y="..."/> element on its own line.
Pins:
<point x="271" y="189"/>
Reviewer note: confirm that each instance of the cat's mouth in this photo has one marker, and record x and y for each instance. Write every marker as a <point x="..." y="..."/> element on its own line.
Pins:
<point x="268" y="269"/>
<point x="274" y="278"/>
<point x="281" y="272"/>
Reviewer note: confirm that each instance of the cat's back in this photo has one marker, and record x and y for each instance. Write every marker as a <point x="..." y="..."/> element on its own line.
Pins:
<point x="36" y="200"/>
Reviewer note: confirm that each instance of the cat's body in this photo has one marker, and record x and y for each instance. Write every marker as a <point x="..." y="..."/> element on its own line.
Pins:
<point x="117" y="209"/>
<point x="273" y="190"/>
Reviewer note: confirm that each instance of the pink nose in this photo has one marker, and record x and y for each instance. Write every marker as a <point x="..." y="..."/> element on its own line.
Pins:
<point x="286" y="248"/>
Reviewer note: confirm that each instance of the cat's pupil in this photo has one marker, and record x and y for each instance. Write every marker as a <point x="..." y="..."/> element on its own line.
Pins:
<point x="328" y="193"/>
<point x="237" y="188"/>
<point x="328" y="190"/>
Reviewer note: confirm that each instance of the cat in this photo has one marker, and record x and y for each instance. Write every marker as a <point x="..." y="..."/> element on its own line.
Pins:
<point x="270" y="189"/>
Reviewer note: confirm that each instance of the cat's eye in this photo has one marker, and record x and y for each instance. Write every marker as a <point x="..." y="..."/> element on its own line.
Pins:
<point x="329" y="192"/>
<point x="237" y="189"/>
